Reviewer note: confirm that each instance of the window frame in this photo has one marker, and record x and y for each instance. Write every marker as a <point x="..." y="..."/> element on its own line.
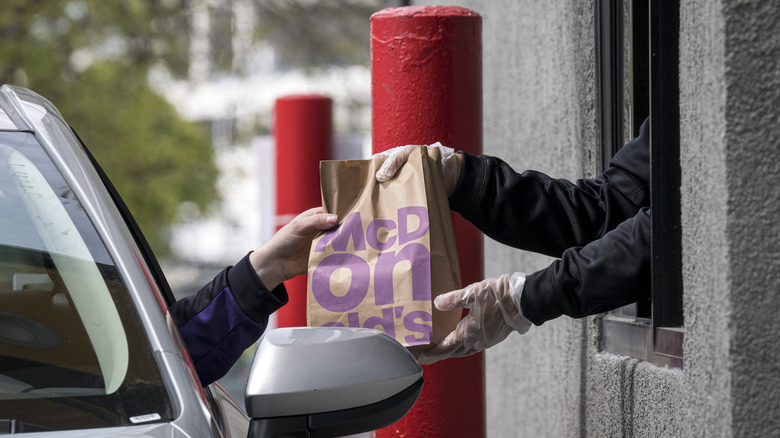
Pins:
<point x="651" y="331"/>
<point x="609" y="56"/>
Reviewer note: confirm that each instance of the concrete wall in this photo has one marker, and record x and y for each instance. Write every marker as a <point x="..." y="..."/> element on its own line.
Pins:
<point x="748" y="140"/>
<point x="540" y="112"/>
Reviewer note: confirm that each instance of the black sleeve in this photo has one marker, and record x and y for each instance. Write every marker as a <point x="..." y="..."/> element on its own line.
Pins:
<point x="605" y="274"/>
<point x="537" y="213"/>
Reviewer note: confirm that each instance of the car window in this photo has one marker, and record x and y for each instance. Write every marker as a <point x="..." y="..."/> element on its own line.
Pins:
<point x="73" y="354"/>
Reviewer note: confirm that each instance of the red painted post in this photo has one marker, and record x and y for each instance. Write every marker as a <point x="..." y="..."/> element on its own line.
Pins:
<point x="303" y="131"/>
<point x="426" y="68"/>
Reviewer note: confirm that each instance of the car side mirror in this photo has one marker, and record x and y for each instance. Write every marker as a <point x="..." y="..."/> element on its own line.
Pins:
<point x="328" y="382"/>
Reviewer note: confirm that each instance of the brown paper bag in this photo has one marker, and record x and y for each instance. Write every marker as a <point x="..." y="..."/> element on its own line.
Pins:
<point x="392" y="253"/>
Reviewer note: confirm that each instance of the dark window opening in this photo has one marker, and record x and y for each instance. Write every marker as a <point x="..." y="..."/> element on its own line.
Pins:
<point x="648" y="35"/>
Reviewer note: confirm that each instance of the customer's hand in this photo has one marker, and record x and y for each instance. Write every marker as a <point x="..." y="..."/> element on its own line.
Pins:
<point x="286" y="255"/>
<point x="494" y="313"/>
<point x="393" y="159"/>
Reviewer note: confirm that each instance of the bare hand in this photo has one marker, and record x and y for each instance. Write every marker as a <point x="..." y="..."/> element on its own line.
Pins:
<point x="286" y="255"/>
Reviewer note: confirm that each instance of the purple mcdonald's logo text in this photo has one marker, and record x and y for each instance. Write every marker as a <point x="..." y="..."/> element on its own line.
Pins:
<point x="397" y="234"/>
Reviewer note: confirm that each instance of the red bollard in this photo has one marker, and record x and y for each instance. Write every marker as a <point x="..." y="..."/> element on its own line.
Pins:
<point x="426" y="68"/>
<point x="303" y="131"/>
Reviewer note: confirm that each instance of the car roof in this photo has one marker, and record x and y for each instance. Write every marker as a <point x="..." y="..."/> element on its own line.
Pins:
<point x="18" y="105"/>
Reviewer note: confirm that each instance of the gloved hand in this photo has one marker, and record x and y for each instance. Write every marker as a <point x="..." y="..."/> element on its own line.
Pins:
<point x="396" y="157"/>
<point x="494" y="313"/>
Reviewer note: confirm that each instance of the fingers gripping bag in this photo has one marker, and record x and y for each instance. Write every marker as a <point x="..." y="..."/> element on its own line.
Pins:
<point x="392" y="253"/>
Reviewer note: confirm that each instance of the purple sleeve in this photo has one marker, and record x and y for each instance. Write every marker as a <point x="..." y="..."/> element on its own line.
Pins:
<point x="224" y="318"/>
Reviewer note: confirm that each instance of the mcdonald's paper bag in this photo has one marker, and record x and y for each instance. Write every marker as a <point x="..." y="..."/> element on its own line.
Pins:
<point x="391" y="254"/>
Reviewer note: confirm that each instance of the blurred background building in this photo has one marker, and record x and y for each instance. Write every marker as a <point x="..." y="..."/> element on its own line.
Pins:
<point x="244" y="55"/>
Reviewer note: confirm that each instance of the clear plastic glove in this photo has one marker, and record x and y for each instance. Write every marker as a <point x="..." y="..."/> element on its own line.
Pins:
<point x="394" y="158"/>
<point x="286" y="255"/>
<point x="494" y="313"/>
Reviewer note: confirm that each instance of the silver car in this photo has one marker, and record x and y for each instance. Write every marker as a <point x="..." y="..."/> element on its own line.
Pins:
<point x="87" y="349"/>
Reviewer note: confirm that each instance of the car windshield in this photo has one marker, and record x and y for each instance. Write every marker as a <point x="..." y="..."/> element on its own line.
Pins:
<point x="73" y="354"/>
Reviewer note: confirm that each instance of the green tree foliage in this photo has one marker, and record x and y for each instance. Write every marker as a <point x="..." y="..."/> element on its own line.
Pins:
<point x="155" y="159"/>
<point x="91" y="58"/>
